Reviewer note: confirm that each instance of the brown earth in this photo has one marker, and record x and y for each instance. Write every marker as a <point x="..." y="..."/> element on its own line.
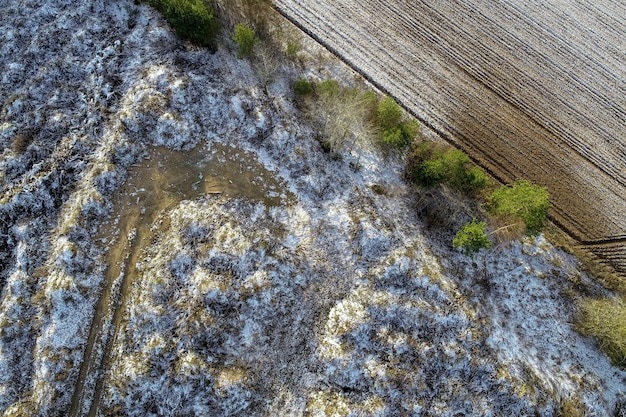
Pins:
<point x="528" y="89"/>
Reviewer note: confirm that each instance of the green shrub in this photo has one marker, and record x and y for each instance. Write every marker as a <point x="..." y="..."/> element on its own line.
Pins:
<point x="472" y="238"/>
<point x="302" y="87"/>
<point x="395" y="132"/>
<point x="389" y="113"/>
<point x="474" y="180"/>
<point x="410" y="129"/>
<point x="430" y="172"/>
<point x="525" y="200"/>
<point x="191" y="19"/>
<point x="456" y="162"/>
<point x="397" y="137"/>
<point x="245" y="38"/>
<point x="605" y="319"/>
<point x="392" y="136"/>
<point x="430" y="165"/>
<point x="463" y="176"/>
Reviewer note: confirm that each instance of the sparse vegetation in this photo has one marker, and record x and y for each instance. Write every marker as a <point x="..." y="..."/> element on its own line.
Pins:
<point x="521" y="207"/>
<point x="245" y="38"/>
<point x="605" y="319"/>
<point x="340" y="114"/>
<point x="472" y="238"/>
<point x="191" y="19"/>
<point x="292" y="50"/>
<point x="215" y="275"/>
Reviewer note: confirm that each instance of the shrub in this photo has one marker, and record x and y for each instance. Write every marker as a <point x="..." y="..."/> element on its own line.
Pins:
<point x="395" y="132"/>
<point x="474" y="180"/>
<point x="389" y="113"/>
<point x="392" y="136"/>
<point x="470" y="179"/>
<point x="472" y="238"/>
<point x="245" y="38"/>
<point x="191" y="19"/>
<point x="525" y="200"/>
<point x="605" y="319"/>
<point x="370" y="107"/>
<point x="430" y="165"/>
<point x="430" y="172"/>
<point x="302" y="87"/>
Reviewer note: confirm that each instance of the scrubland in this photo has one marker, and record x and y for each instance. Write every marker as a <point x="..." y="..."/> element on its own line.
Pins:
<point x="176" y="241"/>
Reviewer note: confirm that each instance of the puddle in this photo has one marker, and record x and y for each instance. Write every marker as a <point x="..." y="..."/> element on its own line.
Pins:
<point x="162" y="179"/>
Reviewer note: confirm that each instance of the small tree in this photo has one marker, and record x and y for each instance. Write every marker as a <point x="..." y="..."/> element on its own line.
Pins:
<point x="525" y="200"/>
<point x="245" y="38"/>
<point x="472" y="238"/>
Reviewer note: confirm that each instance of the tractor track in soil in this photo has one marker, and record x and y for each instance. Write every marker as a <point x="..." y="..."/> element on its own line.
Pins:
<point x="528" y="89"/>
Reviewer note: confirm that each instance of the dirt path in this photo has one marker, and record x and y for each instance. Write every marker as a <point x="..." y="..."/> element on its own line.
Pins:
<point x="162" y="180"/>
<point x="528" y="89"/>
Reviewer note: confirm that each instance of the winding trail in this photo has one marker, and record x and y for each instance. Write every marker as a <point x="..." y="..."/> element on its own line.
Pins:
<point x="528" y="89"/>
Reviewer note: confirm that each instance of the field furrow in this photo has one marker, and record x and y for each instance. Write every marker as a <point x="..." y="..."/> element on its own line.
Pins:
<point x="530" y="90"/>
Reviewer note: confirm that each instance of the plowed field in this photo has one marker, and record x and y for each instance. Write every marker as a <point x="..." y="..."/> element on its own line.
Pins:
<point x="530" y="89"/>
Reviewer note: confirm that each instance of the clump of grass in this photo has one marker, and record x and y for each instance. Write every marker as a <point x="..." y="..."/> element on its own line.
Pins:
<point x="21" y="143"/>
<point x="605" y="319"/>
<point x="340" y="114"/>
<point x="571" y="407"/>
<point x="292" y="50"/>
<point x="191" y="19"/>
<point x="378" y="189"/>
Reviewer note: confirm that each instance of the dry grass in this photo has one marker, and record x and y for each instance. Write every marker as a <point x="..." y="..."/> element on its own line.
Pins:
<point x="21" y="142"/>
<point x="605" y="319"/>
<point x="506" y="229"/>
<point x="571" y="407"/>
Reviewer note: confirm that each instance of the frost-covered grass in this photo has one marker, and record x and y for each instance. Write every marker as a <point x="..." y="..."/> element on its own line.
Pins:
<point x="337" y="302"/>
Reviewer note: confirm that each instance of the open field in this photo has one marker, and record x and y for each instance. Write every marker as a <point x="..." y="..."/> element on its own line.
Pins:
<point x="529" y="89"/>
